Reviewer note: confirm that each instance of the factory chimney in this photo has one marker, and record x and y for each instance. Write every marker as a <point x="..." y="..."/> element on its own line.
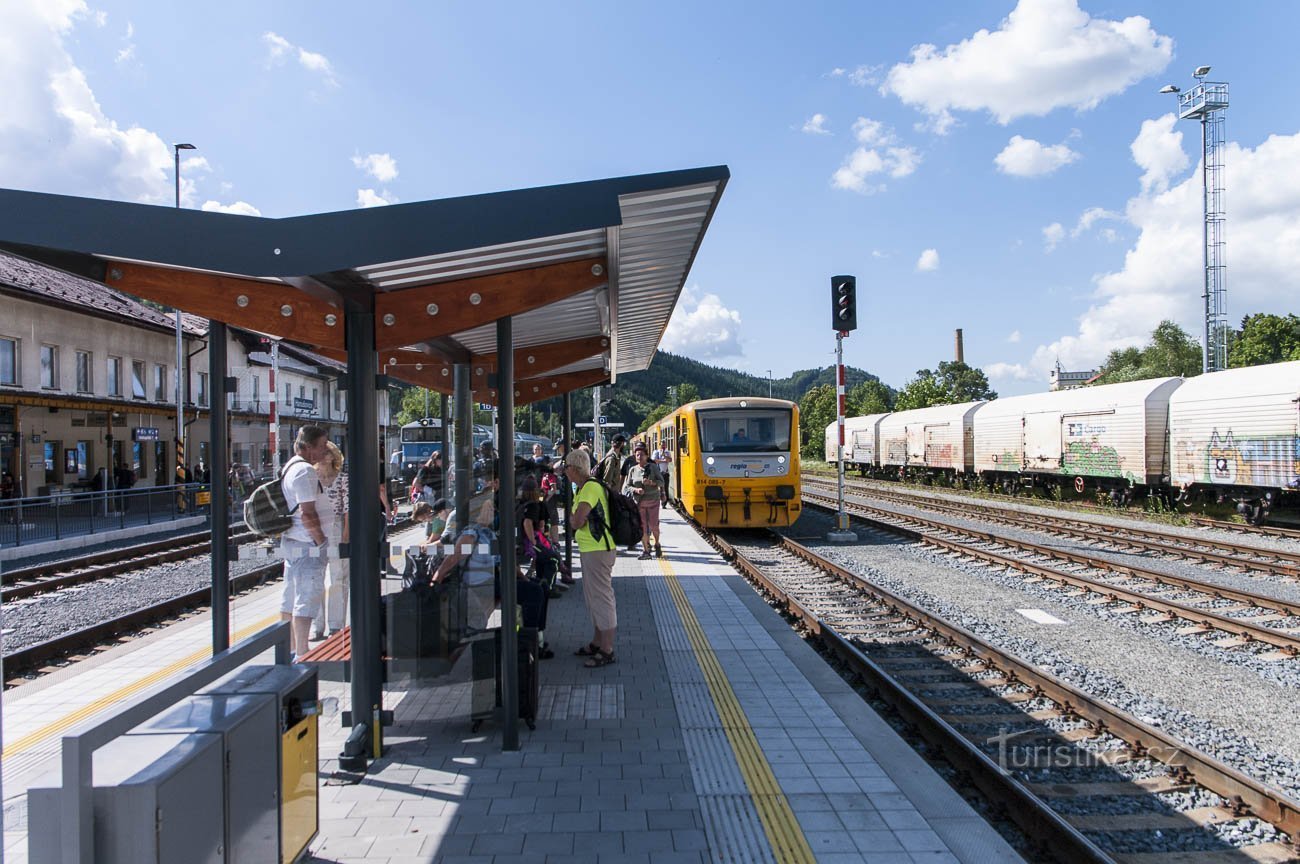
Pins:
<point x="961" y="353"/>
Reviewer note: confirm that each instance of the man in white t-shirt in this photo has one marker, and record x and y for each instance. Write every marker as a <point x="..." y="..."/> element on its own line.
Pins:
<point x="303" y="545"/>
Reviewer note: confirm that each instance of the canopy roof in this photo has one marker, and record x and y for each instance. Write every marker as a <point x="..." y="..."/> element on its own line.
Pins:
<point x="590" y="272"/>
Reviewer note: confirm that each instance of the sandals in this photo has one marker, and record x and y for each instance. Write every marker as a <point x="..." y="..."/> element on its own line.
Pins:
<point x="600" y="658"/>
<point x="591" y="649"/>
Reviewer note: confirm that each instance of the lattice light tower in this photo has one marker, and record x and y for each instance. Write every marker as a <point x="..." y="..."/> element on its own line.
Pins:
<point x="1208" y="102"/>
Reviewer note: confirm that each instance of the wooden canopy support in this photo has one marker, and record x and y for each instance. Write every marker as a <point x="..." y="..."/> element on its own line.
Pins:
<point x="529" y="390"/>
<point x="537" y="359"/>
<point x="413" y="315"/>
<point x="267" y="307"/>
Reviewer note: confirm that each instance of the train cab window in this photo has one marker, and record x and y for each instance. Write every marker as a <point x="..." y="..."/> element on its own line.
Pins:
<point x="739" y="430"/>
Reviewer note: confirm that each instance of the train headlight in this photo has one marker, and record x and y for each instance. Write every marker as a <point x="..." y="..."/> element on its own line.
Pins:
<point x="708" y="461"/>
<point x="780" y="460"/>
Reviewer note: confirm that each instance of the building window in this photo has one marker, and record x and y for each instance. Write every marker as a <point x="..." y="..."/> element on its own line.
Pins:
<point x="114" y="376"/>
<point x="288" y="396"/>
<point x="49" y="367"/>
<point x="338" y="399"/>
<point x="137" y="379"/>
<point x="203" y="388"/>
<point x="315" y="394"/>
<point x="159" y="383"/>
<point x="8" y="361"/>
<point x="160" y="465"/>
<point x="257" y="393"/>
<point x="83" y="372"/>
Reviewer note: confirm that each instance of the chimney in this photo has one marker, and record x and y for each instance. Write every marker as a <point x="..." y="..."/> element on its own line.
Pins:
<point x="961" y="353"/>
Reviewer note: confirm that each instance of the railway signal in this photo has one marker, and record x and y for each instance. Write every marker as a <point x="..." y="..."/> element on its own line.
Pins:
<point x="844" y="303"/>
<point x="844" y="317"/>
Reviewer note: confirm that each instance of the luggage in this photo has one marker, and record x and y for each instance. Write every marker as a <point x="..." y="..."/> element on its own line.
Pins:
<point x="622" y="525"/>
<point x="266" y="511"/>
<point x="413" y="624"/>
<point x="529" y="677"/>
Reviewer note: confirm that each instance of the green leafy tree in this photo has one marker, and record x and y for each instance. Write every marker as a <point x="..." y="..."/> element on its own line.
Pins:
<point x="413" y="405"/>
<point x="1265" y="339"/>
<point x="964" y="383"/>
<point x="869" y="397"/>
<point x="817" y="410"/>
<point x="921" y="392"/>
<point x="1171" y="351"/>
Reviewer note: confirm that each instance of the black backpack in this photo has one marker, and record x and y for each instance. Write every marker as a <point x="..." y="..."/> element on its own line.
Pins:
<point x="266" y="512"/>
<point x="623" y="523"/>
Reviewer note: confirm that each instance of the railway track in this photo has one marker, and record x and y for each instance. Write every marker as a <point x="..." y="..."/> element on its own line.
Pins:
<point x="1273" y="628"/>
<point x="88" y="640"/>
<point x="38" y="579"/>
<point x="1085" y="780"/>
<point x="1122" y="538"/>
<point x="1243" y="528"/>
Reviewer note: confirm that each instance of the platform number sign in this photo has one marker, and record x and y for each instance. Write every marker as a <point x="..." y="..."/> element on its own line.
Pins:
<point x="602" y="420"/>
<point x="844" y="303"/>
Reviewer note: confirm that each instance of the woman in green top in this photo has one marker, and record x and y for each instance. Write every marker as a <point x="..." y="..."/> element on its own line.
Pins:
<point x="597" y="554"/>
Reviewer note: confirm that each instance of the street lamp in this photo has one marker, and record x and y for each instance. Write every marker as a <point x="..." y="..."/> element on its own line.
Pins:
<point x="180" y="345"/>
<point x="769" y="383"/>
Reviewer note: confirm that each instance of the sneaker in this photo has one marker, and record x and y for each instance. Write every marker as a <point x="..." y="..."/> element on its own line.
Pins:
<point x="644" y="556"/>
<point x="659" y="551"/>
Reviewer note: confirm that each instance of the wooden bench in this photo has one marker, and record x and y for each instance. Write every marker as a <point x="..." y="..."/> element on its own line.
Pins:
<point x="333" y="657"/>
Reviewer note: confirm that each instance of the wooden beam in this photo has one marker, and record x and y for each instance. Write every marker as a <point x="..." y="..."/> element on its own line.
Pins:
<point x="415" y="314"/>
<point x="537" y="359"/>
<point x="529" y="390"/>
<point x="247" y="303"/>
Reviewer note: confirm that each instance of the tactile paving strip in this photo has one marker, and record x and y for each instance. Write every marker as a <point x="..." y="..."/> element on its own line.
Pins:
<point x="581" y="702"/>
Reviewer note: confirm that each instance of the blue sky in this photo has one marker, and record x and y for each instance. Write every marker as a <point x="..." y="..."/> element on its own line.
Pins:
<point x="1020" y="179"/>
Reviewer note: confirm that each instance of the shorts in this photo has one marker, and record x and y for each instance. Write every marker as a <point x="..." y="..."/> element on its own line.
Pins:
<point x="649" y="507"/>
<point x="304" y="578"/>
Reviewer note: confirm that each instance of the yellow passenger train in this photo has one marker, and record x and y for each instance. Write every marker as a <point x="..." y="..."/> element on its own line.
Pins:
<point x="735" y="461"/>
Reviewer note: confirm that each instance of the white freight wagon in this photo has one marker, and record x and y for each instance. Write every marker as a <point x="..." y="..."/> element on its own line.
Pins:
<point x="1236" y="435"/>
<point x="1113" y="436"/>
<point x="939" y="439"/>
<point x="860" y="441"/>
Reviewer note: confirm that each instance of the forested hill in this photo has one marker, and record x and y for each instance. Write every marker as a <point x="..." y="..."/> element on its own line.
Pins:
<point x="637" y="392"/>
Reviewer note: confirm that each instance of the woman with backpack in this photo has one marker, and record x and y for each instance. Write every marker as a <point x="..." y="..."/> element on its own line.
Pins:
<point x="597" y="550"/>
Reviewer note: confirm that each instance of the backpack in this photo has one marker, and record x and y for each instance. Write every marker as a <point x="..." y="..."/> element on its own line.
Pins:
<point x="623" y="523"/>
<point x="266" y="511"/>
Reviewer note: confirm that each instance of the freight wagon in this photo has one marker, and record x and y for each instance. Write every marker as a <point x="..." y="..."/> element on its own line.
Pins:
<point x="929" y="442"/>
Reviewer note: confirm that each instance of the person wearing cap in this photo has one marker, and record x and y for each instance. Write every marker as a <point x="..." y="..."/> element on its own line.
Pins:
<point x="645" y="484"/>
<point x="615" y="464"/>
<point x="597" y="554"/>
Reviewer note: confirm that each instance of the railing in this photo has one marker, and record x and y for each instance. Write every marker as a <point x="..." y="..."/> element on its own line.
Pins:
<point x="24" y="521"/>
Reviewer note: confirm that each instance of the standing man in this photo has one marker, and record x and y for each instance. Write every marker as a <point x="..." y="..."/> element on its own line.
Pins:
<point x="303" y="545"/>
<point x="611" y="469"/>
<point x="663" y="458"/>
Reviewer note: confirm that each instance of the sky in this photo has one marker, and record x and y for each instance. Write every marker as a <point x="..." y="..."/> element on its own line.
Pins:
<point x="1008" y="168"/>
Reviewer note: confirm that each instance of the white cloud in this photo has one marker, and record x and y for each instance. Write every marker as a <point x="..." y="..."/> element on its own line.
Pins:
<point x="1014" y="337"/>
<point x="1017" y="371"/>
<point x="240" y="208"/>
<point x="938" y="124"/>
<point x="280" y="49"/>
<point x="1025" y="157"/>
<point x="928" y="261"/>
<point x="1158" y="151"/>
<point x="876" y="253"/>
<point x="57" y="137"/>
<point x="1052" y="235"/>
<point x="381" y="166"/>
<point x="816" y="125"/>
<point x="865" y="76"/>
<point x="702" y="327"/>
<point x="837" y="72"/>
<point x="874" y="158"/>
<point x="1046" y="54"/>
<point x="371" y="198"/>
<point x="127" y="52"/>
<point x="1090" y="216"/>
<point x="1162" y="273"/>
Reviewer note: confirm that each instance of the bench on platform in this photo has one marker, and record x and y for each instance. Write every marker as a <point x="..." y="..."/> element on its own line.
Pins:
<point x="333" y="657"/>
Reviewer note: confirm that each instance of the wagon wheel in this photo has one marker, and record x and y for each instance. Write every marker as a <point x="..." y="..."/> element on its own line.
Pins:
<point x="1079" y="485"/>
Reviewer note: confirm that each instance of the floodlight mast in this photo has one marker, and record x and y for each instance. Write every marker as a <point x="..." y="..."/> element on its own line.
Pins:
<point x="1208" y="103"/>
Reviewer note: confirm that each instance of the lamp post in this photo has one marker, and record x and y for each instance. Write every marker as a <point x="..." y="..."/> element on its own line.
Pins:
<point x="180" y="346"/>
<point x="769" y="383"/>
<point x="1208" y="103"/>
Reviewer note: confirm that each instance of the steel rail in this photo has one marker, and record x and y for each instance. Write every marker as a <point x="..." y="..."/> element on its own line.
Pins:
<point x="1245" y="792"/>
<point x="1243" y="528"/>
<point x="25" y="660"/>
<point x="110" y="557"/>
<point x="1283" y="563"/>
<point x="1242" y="628"/>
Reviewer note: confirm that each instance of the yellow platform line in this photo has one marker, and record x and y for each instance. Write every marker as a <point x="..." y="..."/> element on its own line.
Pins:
<point x="67" y="721"/>
<point x="779" y="822"/>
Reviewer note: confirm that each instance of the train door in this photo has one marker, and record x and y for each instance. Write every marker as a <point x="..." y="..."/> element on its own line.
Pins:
<point x="915" y="444"/>
<point x="1042" y="441"/>
<point x="680" y="452"/>
<point x="939" y="446"/>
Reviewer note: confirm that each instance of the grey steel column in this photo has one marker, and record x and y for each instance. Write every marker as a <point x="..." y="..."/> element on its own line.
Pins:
<point x="566" y="490"/>
<point x="506" y="534"/>
<point x="364" y="526"/>
<point x="219" y="464"/>
<point x="464" y="443"/>
<point x="446" y="454"/>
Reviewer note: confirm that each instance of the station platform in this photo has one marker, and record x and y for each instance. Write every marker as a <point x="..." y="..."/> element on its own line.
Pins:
<point x="718" y="735"/>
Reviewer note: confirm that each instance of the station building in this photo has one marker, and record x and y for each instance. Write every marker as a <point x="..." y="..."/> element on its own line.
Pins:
<point x="87" y="378"/>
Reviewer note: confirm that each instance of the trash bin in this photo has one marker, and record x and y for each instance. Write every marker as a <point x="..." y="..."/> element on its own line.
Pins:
<point x="294" y="689"/>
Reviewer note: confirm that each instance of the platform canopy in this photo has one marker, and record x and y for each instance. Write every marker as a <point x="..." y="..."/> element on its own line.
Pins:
<point x="590" y="272"/>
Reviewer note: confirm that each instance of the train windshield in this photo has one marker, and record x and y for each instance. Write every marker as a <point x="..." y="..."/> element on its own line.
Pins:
<point x="415" y="434"/>
<point x="744" y="430"/>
